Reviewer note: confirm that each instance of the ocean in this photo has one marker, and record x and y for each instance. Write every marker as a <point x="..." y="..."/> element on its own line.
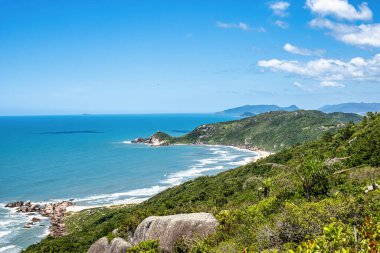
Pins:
<point x="89" y="158"/>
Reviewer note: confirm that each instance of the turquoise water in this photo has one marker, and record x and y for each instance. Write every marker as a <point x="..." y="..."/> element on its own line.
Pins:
<point x="89" y="159"/>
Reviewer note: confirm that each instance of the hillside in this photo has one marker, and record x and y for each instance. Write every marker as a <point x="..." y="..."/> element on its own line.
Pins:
<point x="257" y="109"/>
<point x="272" y="131"/>
<point x="309" y="198"/>
<point x="360" y="108"/>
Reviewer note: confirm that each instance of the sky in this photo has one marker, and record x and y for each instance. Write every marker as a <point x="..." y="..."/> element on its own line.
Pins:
<point x="171" y="56"/>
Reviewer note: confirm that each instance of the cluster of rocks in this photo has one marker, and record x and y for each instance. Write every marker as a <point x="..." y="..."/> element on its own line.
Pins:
<point x="55" y="212"/>
<point x="168" y="230"/>
<point x="24" y="207"/>
<point x="154" y="140"/>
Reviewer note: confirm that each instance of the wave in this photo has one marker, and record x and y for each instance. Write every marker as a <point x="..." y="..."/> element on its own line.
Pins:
<point x="10" y="249"/>
<point x="242" y="162"/>
<point x="12" y="232"/>
<point x="181" y="176"/>
<point x="5" y="233"/>
<point x="217" y="158"/>
<point x="207" y="165"/>
<point x="114" y="198"/>
<point x="222" y="158"/>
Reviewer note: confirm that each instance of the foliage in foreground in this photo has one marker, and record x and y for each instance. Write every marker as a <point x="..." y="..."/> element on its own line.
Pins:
<point x="309" y="198"/>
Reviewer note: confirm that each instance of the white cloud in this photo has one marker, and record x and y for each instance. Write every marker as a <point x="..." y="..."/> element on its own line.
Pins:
<point x="298" y="85"/>
<point x="281" y="24"/>
<point x="240" y="25"/>
<point x="331" y="84"/>
<point x="329" y="71"/>
<point x="340" y="9"/>
<point x="362" y="35"/>
<point x="279" y="8"/>
<point x="301" y="51"/>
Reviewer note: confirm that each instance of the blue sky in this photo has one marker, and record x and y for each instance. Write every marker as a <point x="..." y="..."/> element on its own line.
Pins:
<point x="109" y="56"/>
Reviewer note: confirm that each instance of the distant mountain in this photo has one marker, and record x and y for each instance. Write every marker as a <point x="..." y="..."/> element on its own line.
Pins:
<point x="250" y="110"/>
<point x="360" y="108"/>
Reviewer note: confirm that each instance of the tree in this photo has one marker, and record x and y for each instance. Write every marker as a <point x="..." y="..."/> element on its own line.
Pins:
<point x="266" y="186"/>
<point x="313" y="177"/>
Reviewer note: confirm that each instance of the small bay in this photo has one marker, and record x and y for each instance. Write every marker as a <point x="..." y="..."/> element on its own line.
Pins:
<point x="89" y="159"/>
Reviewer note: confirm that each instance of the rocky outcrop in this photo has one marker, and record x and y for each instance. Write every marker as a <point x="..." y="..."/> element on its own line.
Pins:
<point x="15" y="204"/>
<point x="166" y="229"/>
<point x="169" y="229"/>
<point x="24" y="207"/>
<point x="157" y="139"/>
<point x="117" y="245"/>
<point x="100" y="246"/>
<point x="55" y="212"/>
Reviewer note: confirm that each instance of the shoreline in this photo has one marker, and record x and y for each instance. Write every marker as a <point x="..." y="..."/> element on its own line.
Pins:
<point x="57" y="224"/>
<point x="260" y="153"/>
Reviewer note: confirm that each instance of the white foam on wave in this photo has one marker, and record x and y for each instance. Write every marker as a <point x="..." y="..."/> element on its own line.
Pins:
<point x="181" y="176"/>
<point x="9" y="249"/>
<point x="223" y="157"/>
<point x="242" y="162"/>
<point x="5" y="233"/>
<point x="78" y="208"/>
<point x="11" y="227"/>
<point x="113" y="197"/>
<point x="127" y="142"/>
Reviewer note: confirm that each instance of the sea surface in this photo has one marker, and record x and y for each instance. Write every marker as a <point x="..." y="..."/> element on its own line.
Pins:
<point x="90" y="159"/>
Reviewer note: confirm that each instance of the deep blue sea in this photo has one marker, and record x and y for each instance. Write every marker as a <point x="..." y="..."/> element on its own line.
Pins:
<point x="89" y="159"/>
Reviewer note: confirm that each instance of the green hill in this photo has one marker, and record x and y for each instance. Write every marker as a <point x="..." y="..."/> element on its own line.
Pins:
<point x="319" y="196"/>
<point x="272" y="131"/>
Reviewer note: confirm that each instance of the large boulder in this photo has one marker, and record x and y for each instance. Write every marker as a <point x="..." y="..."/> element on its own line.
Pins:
<point x="169" y="229"/>
<point x="100" y="246"/>
<point x="117" y="245"/>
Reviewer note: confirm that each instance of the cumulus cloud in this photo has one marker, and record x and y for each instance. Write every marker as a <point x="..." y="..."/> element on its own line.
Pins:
<point x="362" y="35"/>
<point x="301" y="51"/>
<point x="280" y="8"/>
<point x="240" y="25"/>
<point x="329" y="71"/>
<point x="340" y="9"/>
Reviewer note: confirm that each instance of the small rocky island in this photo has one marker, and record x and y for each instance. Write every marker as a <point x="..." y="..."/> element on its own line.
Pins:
<point x="54" y="211"/>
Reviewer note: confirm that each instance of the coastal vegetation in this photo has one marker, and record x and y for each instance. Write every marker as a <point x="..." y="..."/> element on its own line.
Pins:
<point x="319" y="196"/>
<point x="272" y="131"/>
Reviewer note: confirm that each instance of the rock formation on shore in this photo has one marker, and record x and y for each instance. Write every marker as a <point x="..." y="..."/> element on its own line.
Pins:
<point x="55" y="212"/>
<point x="168" y="230"/>
<point x="157" y="139"/>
